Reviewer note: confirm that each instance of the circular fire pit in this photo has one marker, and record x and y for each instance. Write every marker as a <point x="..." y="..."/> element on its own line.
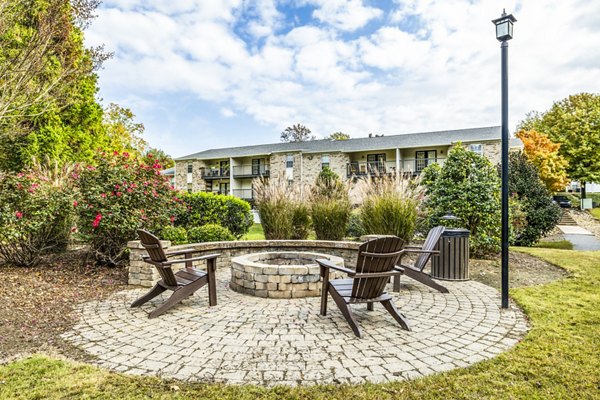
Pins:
<point x="280" y="275"/>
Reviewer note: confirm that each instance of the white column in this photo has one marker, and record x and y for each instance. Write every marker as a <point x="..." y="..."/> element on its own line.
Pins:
<point x="398" y="159"/>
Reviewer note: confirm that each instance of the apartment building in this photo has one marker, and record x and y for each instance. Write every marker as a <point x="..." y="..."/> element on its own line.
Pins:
<point x="232" y="170"/>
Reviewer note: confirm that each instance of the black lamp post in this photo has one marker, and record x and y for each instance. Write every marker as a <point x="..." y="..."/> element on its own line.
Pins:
<point x="504" y="32"/>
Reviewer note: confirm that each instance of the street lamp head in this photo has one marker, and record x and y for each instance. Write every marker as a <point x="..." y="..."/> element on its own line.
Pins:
<point x="504" y="26"/>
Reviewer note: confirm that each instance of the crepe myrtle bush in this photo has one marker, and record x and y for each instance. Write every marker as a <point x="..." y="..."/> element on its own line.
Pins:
<point x="118" y="196"/>
<point x="36" y="215"/>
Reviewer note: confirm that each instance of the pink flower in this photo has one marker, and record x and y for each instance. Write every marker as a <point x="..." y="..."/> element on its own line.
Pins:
<point x="97" y="220"/>
<point x="172" y="219"/>
<point x="19" y="214"/>
<point x="125" y="154"/>
<point x="117" y="187"/>
<point x="75" y="203"/>
<point x="119" y="194"/>
<point x="103" y="195"/>
<point x="150" y="155"/>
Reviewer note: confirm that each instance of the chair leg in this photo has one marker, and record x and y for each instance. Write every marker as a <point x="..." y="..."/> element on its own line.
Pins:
<point x="425" y="279"/>
<point x="396" y="287"/>
<point x="155" y="291"/>
<point x="346" y="312"/>
<point x="324" y="289"/>
<point x="370" y="306"/>
<point x="177" y="296"/>
<point x="391" y="308"/>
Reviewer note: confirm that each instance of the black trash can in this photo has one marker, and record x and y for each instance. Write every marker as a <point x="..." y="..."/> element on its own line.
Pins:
<point x="452" y="264"/>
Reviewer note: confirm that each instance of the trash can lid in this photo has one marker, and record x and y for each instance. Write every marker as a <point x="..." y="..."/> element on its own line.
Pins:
<point x="456" y="232"/>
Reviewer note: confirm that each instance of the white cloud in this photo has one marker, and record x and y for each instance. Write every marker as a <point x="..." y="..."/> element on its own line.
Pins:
<point x="441" y="74"/>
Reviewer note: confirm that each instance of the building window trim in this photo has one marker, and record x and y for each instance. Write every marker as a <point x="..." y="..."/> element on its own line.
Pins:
<point x="325" y="161"/>
<point x="476" y="148"/>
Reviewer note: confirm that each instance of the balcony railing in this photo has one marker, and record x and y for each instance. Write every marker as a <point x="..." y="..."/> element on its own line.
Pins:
<point x="250" y="171"/>
<point x="408" y="165"/>
<point x="215" y="173"/>
<point x="244" y="194"/>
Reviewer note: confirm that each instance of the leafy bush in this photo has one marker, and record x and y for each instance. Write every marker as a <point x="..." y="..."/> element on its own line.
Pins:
<point x="118" y="197"/>
<point x="541" y="213"/>
<point x="468" y="186"/>
<point x="281" y="209"/>
<point x="36" y="215"/>
<point x="355" y="227"/>
<point x="210" y="233"/>
<point x="300" y="222"/>
<point x="209" y="208"/>
<point x="330" y="208"/>
<point x="390" y="205"/>
<point x="176" y="234"/>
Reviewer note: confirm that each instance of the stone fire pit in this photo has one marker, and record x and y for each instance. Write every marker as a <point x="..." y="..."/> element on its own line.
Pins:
<point x="280" y="275"/>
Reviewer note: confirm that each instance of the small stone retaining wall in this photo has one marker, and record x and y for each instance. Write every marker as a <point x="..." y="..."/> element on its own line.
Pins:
<point x="144" y="274"/>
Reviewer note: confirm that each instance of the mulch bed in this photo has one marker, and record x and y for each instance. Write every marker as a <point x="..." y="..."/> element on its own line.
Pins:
<point x="36" y="304"/>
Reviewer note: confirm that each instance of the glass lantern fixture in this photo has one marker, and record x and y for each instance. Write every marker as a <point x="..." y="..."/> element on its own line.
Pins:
<point x="504" y="26"/>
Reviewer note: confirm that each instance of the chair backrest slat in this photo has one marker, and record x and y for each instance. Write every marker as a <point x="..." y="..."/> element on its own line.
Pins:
<point x="376" y="255"/>
<point x="157" y="254"/>
<point x="433" y="237"/>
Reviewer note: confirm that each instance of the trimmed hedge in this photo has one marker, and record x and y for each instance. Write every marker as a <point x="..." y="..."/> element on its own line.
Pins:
<point x="209" y="233"/>
<point x="208" y="208"/>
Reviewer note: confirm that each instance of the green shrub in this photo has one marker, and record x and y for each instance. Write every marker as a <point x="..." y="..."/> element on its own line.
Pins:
<point x="36" y="216"/>
<point x="355" y="227"/>
<point x="176" y="234"/>
<point x="117" y="197"/>
<point x="300" y="222"/>
<point x="468" y="186"/>
<point x="209" y="208"/>
<point x="390" y="205"/>
<point x="541" y="214"/>
<point x="330" y="206"/>
<point x="210" y="233"/>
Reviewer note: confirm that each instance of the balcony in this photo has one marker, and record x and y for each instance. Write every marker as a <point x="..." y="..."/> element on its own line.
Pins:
<point x="215" y="173"/>
<point x="412" y="166"/>
<point x="250" y="171"/>
<point x="244" y="194"/>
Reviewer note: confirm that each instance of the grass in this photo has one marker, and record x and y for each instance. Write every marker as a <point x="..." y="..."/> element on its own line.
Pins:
<point x="255" y="233"/>
<point x="559" y="244"/>
<point x="595" y="212"/>
<point x="558" y="359"/>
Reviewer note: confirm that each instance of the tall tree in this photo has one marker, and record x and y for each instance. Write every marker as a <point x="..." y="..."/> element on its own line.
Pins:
<point x="573" y="122"/>
<point x="339" y="136"/>
<point x="544" y="154"/>
<point x="296" y="133"/>
<point x="122" y="132"/>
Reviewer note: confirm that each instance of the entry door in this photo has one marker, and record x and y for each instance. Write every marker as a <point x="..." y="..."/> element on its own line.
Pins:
<point x="258" y="166"/>
<point x="424" y="158"/>
<point x="224" y="188"/>
<point x="376" y="162"/>
<point x="224" y="166"/>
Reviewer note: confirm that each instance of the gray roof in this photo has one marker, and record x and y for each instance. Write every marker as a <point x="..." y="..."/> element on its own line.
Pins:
<point x="409" y="140"/>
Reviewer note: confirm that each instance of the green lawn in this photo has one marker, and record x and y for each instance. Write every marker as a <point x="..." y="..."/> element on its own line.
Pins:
<point x="558" y="359"/>
<point x="560" y="244"/>
<point x="255" y="233"/>
<point x="595" y="212"/>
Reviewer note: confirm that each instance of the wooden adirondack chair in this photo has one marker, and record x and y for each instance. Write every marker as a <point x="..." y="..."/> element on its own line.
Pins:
<point x="375" y="266"/>
<point x="416" y="271"/>
<point x="183" y="283"/>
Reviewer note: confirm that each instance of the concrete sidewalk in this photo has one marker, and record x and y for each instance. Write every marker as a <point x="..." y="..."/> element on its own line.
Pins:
<point x="573" y="230"/>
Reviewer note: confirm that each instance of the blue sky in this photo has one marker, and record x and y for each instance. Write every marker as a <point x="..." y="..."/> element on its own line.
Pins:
<point x="217" y="73"/>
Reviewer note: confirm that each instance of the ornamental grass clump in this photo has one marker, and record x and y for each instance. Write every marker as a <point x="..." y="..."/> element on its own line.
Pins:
<point x="330" y="206"/>
<point x="283" y="214"/>
<point x="390" y="205"/>
<point x="118" y="196"/>
<point x="36" y="213"/>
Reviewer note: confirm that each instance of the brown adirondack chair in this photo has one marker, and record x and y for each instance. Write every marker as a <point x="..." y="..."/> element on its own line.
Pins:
<point x="375" y="266"/>
<point x="416" y="271"/>
<point x="183" y="283"/>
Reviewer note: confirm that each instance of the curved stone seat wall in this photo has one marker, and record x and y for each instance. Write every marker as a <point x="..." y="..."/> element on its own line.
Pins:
<point x="144" y="274"/>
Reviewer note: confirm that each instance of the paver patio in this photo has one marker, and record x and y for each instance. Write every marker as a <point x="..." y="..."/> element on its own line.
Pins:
<point x="270" y="341"/>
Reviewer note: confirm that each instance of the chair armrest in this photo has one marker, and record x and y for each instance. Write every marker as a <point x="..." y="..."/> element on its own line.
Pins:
<point x="394" y="272"/>
<point x="422" y="251"/>
<point x="328" y="264"/>
<point x="413" y="247"/>
<point x="180" y="252"/>
<point x="399" y="268"/>
<point x="182" y="260"/>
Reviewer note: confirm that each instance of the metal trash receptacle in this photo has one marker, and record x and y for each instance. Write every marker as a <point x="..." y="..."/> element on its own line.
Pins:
<point x="452" y="264"/>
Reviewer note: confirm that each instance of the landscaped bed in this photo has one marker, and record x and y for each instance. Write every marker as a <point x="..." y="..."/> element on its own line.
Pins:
<point x="558" y="358"/>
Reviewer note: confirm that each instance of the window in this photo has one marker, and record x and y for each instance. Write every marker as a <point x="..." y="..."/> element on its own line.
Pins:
<point x="476" y="148"/>
<point x="424" y="158"/>
<point x="325" y="161"/>
<point x="190" y="167"/>
<point x="376" y="163"/>
<point x="289" y="162"/>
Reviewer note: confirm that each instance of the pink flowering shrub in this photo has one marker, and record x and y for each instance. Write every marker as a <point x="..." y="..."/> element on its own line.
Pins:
<point x="117" y="197"/>
<point x="36" y="215"/>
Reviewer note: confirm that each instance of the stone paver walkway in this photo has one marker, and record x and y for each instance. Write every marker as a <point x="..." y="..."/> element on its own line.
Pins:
<point x="269" y="341"/>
